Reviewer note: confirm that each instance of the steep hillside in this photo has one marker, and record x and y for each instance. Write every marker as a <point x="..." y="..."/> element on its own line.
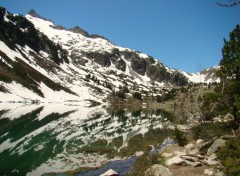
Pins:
<point x="41" y="61"/>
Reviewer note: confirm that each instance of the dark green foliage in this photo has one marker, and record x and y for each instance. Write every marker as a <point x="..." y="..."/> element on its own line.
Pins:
<point x="122" y="92"/>
<point x="144" y="162"/>
<point x="230" y="63"/>
<point x="230" y="71"/>
<point x="158" y="99"/>
<point x="137" y="95"/>
<point x="169" y="95"/>
<point x="208" y="131"/>
<point x="211" y="106"/>
<point x="180" y="137"/>
<point x="226" y="98"/>
<point x="229" y="155"/>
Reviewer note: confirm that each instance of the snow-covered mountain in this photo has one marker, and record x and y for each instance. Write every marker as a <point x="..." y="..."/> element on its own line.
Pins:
<point x="206" y="76"/>
<point x="42" y="61"/>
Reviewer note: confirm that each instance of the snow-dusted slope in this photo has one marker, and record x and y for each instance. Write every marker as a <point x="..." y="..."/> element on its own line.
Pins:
<point x="70" y="40"/>
<point x="206" y="76"/>
<point x="72" y="67"/>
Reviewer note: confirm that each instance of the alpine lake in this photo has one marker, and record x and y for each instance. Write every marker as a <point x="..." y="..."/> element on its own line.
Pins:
<point x="60" y="139"/>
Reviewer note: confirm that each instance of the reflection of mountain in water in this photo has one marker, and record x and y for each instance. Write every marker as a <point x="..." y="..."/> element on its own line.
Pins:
<point x="55" y="137"/>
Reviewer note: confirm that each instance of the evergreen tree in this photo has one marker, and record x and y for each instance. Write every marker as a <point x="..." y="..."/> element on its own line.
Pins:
<point x="230" y="71"/>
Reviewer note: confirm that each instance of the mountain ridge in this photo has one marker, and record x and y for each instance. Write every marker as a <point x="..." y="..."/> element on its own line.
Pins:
<point x="62" y="60"/>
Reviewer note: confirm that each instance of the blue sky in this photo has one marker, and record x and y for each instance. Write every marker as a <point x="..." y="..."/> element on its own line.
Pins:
<point x="184" y="34"/>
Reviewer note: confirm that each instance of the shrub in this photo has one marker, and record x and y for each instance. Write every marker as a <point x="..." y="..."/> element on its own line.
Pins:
<point x="180" y="137"/>
<point x="158" y="99"/>
<point x="229" y="155"/>
<point x="144" y="162"/>
<point x="208" y="131"/>
<point x="137" y="95"/>
<point x="120" y="94"/>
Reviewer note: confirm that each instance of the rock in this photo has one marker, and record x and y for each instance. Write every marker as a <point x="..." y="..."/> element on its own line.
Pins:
<point x="217" y="119"/>
<point x="211" y="160"/>
<point x="191" y="149"/>
<point x="215" y="146"/>
<point x="139" y="153"/>
<point x="206" y="144"/>
<point x="180" y="152"/>
<point x="228" y="117"/>
<point x="193" y="152"/>
<point x="220" y="174"/>
<point x="189" y="158"/>
<point x="208" y="172"/>
<point x="79" y="30"/>
<point x="193" y="164"/>
<point x="183" y="127"/>
<point x="167" y="155"/>
<point x="110" y="172"/>
<point x="176" y="160"/>
<point x="199" y="142"/>
<point x="158" y="170"/>
<point x="170" y="127"/>
<point x="197" y="164"/>
<point x="189" y="146"/>
<point x="183" y="161"/>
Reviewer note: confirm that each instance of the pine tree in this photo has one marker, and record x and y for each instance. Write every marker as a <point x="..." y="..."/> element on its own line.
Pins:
<point x="230" y="71"/>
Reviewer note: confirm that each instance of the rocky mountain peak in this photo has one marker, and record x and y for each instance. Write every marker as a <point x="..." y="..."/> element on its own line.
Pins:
<point x="79" y="30"/>
<point x="33" y="13"/>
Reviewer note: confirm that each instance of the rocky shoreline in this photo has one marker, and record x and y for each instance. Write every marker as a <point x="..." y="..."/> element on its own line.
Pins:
<point x="188" y="160"/>
<point x="196" y="158"/>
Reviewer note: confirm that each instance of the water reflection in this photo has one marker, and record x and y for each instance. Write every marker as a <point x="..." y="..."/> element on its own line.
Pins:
<point x="38" y="139"/>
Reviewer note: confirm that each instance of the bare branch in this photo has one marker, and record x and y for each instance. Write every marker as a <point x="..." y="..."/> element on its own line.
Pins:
<point x="228" y="5"/>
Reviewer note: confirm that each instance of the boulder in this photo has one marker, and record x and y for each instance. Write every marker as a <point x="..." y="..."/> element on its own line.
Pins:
<point x="110" y="172"/>
<point x="228" y="117"/>
<point x="189" y="158"/>
<point x="139" y="153"/>
<point x="193" y="164"/>
<point x="189" y="147"/>
<point x="158" y="170"/>
<point x="193" y="152"/>
<point x="215" y="146"/>
<point x="211" y="160"/>
<point x="199" y="142"/>
<point x="217" y="119"/>
<point x="176" y="160"/>
<point x="167" y="155"/>
<point x="183" y="127"/>
<point x="206" y="144"/>
<point x="220" y="174"/>
<point x="208" y="172"/>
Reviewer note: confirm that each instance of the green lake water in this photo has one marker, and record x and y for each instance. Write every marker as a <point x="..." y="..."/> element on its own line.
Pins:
<point x="54" y="138"/>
